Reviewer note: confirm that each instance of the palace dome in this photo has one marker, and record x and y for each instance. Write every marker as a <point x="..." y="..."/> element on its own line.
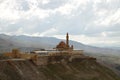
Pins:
<point x="61" y="45"/>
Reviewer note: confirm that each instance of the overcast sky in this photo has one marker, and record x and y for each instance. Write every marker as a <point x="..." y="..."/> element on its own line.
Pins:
<point x="93" y="22"/>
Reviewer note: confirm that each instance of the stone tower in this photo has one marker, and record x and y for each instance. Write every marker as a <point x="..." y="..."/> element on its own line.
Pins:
<point x="67" y="40"/>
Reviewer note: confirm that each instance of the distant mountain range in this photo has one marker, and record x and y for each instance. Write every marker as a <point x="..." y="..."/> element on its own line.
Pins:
<point x="27" y="43"/>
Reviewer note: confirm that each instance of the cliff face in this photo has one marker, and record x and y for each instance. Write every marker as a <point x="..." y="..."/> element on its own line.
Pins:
<point x="82" y="70"/>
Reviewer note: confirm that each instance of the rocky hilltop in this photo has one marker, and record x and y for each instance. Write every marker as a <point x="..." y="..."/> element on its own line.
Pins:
<point x="76" y="70"/>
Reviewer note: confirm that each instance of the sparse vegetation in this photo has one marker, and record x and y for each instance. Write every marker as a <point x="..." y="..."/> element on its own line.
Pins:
<point x="84" y="70"/>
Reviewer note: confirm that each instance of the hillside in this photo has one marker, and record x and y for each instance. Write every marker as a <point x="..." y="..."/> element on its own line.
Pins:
<point x="83" y="70"/>
<point x="111" y="61"/>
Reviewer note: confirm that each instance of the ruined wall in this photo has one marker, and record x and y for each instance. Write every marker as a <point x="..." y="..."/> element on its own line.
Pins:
<point x="75" y="52"/>
<point x="45" y="60"/>
<point x="51" y="58"/>
<point x="11" y="55"/>
<point x="26" y="56"/>
<point x="19" y="55"/>
<point x="40" y="60"/>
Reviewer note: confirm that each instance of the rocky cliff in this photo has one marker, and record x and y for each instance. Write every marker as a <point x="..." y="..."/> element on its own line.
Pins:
<point x="82" y="70"/>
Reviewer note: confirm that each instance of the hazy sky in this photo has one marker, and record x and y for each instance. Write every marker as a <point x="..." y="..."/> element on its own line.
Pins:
<point x="93" y="22"/>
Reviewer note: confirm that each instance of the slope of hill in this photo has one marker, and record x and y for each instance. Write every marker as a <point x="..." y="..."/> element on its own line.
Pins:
<point x="109" y="60"/>
<point x="83" y="70"/>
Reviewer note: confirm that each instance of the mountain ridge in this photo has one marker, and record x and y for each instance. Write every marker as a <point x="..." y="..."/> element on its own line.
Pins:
<point x="22" y="41"/>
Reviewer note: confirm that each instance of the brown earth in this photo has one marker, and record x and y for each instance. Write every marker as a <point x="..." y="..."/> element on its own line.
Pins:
<point x="82" y="70"/>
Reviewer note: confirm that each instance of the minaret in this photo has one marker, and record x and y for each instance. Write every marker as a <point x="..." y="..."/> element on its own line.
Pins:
<point x="67" y="40"/>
